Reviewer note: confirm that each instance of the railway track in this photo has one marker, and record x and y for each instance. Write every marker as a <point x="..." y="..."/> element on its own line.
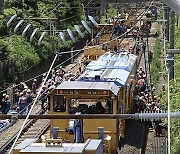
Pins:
<point x="9" y="135"/>
<point x="34" y="129"/>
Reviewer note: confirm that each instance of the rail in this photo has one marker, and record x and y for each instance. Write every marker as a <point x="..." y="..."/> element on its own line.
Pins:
<point x="8" y="144"/>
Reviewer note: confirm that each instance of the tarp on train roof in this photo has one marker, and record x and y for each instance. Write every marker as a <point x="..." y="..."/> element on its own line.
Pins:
<point x="79" y="85"/>
<point x="111" y="67"/>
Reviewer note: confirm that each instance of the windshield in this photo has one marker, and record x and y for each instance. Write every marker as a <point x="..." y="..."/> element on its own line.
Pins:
<point x="90" y="106"/>
<point x="59" y="104"/>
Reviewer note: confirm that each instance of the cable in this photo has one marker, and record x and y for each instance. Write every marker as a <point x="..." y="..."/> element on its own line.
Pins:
<point x="33" y="104"/>
<point x="12" y="86"/>
<point x="38" y="96"/>
<point x="78" y="51"/>
<point x="114" y="38"/>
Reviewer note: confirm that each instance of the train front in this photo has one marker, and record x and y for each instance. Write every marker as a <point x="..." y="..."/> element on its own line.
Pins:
<point x="105" y="87"/>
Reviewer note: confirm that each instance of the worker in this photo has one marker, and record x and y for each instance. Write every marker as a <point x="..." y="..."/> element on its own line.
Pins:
<point x="7" y="103"/>
<point x="34" y="86"/>
<point x="43" y="96"/>
<point x="3" y="104"/>
<point x="22" y="103"/>
<point x="100" y="109"/>
<point x="61" y="72"/>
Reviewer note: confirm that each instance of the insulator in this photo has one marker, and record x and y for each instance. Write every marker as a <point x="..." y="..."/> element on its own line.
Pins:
<point x="79" y="31"/>
<point x="86" y="26"/>
<point x="71" y="35"/>
<point x="17" y="26"/>
<point x="41" y="37"/>
<point x="62" y="38"/>
<point x="25" y="30"/>
<point x="155" y="116"/>
<point x="93" y="21"/>
<point x="33" y="33"/>
<point x="10" y="20"/>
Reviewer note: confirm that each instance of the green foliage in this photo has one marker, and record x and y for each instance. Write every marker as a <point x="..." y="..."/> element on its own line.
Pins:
<point x="174" y="99"/>
<point x="27" y="53"/>
<point x="3" y="50"/>
<point x="111" y="12"/>
<point x="22" y="50"/>
<point x="156" y="62"/>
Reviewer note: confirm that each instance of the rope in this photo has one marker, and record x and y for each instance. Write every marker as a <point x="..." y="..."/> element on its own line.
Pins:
<point x="33" y="104"/>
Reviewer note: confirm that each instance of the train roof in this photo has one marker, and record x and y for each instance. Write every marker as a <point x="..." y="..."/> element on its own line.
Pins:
<point x="110" y="67"/>
<point x="110" y="72"/>
<point x="78" y="85"/>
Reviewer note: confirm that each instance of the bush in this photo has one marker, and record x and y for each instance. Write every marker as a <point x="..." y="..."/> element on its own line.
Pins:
<point x="156" y="62"/>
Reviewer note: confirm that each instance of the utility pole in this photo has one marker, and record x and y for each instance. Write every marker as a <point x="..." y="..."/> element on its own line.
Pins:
<point x="166" y="17"/>
<point x="56" y="4"/>
<point x="172" y="30"/>
<point x="103" y="7"/>
<point x="1" y="7"/>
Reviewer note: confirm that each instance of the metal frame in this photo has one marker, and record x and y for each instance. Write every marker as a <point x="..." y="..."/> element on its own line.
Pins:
<point x="71" y="35"/>
<point x="17" y="26"/>
<point x="41" y="37"/>
<point x="33" y="33"/>
<point x="10" y="20"/>
<point x="25" y="29"/>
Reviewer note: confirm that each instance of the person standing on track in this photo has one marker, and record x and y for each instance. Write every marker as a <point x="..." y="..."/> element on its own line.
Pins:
<point x="22" y="103"/>
<point x="3" y="104"/>
<point x="34" y="86"/>
<point x="43" y="97"/>
<point x="29" y="98"/>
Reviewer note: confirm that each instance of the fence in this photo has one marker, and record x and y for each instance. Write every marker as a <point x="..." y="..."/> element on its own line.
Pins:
<point x="7" y="68"/>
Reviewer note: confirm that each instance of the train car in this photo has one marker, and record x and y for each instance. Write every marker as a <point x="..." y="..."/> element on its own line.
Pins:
<point x="105" y="87"/>
<point x="101" y="35"/>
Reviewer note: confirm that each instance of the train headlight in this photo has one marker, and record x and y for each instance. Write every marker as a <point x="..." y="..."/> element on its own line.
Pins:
<point x="108" y="138"/>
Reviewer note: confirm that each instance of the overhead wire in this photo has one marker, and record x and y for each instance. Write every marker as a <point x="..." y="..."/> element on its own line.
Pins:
<point x="19" y="133"/>
<point x="79" y="50"/>
<point x="12" y="86"/>
<point x="42" y="86"/>
<point x="38" y="96"/>
<point x="143" y="13"/>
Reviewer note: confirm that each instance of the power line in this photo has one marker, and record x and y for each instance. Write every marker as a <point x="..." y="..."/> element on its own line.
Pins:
<point x="78" y="51"/>
<point x="33" y="104"/>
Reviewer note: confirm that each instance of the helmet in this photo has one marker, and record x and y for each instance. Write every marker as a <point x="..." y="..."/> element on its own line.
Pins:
<point x="4" y="95"/>
<point x="28" y="91"/>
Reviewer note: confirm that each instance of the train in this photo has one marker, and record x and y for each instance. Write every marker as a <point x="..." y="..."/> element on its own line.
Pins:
<point x="106" y="86"/>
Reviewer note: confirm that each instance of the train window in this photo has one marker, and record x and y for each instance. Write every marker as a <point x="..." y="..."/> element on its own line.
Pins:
<point x="59" y="104"/>
<point x="90" y="107"/>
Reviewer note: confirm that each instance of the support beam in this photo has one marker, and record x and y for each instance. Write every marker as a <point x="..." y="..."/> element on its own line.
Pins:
<point x="166" y="17"/>
<point x="121" y="1"/>
<point x="136" y="116"/>
<point x="172" y="30"/>
<point x="1" y="7"/>
<point x="173" y="51"/>
<point x="103" y="7"/>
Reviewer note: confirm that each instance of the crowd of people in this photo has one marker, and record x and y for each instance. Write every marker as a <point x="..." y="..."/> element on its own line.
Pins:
<point x="146" y="99"/>
<point x="23" y="96"/>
